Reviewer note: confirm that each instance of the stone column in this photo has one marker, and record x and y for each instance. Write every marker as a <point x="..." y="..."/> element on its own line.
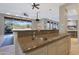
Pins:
<point x="77" y="8"/>
<point x="62" y="19"/>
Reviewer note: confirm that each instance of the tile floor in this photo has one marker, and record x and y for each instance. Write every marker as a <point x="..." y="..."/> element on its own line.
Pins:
<point x="7" y="50"/>
<point x="7" y="46"/>
<point x="8" y="40"/>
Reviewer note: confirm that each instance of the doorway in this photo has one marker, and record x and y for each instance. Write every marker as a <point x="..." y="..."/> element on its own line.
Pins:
<point x="72" y="18"/>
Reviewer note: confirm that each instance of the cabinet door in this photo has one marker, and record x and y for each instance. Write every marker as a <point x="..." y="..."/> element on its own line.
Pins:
<point x="51" y="48"/>
<point x="61" y="50"/>
<point x="68" y="44"/>
<point x="61" y="47"/>
<point x="40" y="51"/>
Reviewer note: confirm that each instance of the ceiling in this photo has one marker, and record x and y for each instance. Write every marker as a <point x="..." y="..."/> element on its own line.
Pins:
<point x="20" y="8"/>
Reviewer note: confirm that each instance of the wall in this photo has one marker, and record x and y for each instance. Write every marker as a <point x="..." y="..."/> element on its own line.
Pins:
<point x="1" y="27"/>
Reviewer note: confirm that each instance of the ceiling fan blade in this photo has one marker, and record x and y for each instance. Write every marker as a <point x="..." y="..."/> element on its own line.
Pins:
<point x="37" y="4"/>
<point x="33" y="7"/>
<point x="37" y="7"/>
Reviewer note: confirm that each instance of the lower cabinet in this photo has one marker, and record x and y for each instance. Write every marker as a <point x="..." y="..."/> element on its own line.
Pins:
<point x="60" y="47"/>
<point x="51" y="49"/>
<point x="63" y="46"/>
<point x="68" y="45"/>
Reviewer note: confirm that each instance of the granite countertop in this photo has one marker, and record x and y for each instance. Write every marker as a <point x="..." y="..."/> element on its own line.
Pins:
<point x="17" y="30"/>
<point x="35" y="44"/>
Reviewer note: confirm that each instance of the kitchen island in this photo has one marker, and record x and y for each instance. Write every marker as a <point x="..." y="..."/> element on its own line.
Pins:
<point x="43" y="42"/>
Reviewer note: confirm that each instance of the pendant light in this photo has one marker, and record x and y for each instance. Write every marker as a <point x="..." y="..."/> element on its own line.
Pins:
<point x="37" y="17"/>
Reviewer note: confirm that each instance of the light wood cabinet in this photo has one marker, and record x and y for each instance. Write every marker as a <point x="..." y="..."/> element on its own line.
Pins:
<point x="60" y="47"/>
<point x="51" y="49"/>
<point x="68" y="44"/>
<point x="63" y="46"/>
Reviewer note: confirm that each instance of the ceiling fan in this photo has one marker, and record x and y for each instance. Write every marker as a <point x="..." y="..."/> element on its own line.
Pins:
<point x="35" y="6"/>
